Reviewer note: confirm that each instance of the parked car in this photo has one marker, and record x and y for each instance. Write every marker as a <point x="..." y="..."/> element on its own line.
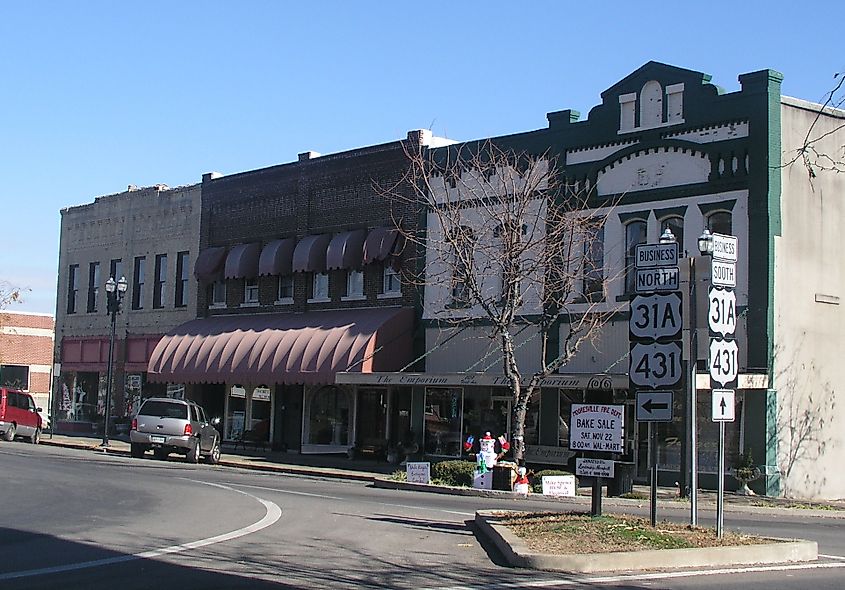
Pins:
<point x="166" y="425"/>
<point x="19" y="416"/>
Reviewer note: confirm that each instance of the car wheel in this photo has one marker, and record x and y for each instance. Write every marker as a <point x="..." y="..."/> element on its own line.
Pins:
<point x="36" y="437"/>
<point x="10" y="434"/>
<point x="136" y="450"/>
<point x="213" y="458"/>
<point x="193" y="454"/>
<point x="160" y="454"/>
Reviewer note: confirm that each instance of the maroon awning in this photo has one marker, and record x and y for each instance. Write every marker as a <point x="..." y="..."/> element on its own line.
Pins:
<point x="277" y="257"/>
<point x="310" y="253"/>
<point x="379" y="244"/>
<point x="242" y="261"/>
<point x="346" y="250"/>
<point x="209" y="263"/>
<point x="284" y="348"/>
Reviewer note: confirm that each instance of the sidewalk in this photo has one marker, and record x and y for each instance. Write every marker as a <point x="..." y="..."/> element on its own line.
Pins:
<point x="368" y="470"/>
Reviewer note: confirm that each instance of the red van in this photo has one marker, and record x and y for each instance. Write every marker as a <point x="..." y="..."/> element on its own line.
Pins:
<point x="19" y="416"/>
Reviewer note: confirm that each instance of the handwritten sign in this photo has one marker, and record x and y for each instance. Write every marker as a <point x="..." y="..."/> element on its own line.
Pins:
<point x="419" y="472"/>
<point x="597" y="427"/>
<point x="558" y="485"/>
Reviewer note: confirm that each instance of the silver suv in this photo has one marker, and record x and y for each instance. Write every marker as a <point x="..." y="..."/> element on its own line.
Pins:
<point x="168" y="425"/>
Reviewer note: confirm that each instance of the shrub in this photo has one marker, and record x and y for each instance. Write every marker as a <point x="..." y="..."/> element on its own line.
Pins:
<point x="453" y="473"/>
<point x="399" y="475"/>
<point x="537" y="479"/>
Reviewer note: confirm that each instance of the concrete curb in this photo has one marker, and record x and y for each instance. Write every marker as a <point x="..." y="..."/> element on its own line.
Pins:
<point x="610" y="502"/>
<point x="251" y="465"/>
<point x="517" y="554"/>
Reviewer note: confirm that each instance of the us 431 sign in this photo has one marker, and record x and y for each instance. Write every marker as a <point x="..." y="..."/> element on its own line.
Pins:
<point x="655" y="365"/>
<point x="723" y="361"/>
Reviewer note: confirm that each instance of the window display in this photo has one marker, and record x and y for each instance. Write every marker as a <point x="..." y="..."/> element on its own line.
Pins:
<point x="443" y="416"/>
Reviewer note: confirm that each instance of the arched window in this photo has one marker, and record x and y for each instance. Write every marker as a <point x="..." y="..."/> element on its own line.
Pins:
<point x="720" y="222"/>
<point x="635" y="234"/>
<point x="651" y="104"/>
<point x="675" y="224"/>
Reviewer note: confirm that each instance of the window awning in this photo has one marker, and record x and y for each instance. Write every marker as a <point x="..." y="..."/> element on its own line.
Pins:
<point x="209" y="263"/>
<point x="379" y="244"/>
<point x="346" y="250"/>
<point x="284" y="348"/>
<point x="310" y="253"/>
<point x="277" y="257"/>
<point x="242" y="261"/>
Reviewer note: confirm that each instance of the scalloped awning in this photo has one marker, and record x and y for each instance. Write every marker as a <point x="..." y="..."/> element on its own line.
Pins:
<point x="284" y="348"/>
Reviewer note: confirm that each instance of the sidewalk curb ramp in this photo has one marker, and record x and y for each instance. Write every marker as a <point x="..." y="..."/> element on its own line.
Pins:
<point x="517" y="554"/>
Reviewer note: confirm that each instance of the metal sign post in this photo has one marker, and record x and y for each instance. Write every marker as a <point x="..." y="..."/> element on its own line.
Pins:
<point x="720" y="491"/>
<point x="655" y="329"/>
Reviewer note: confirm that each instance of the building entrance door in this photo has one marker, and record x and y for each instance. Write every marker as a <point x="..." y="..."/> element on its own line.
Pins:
<point x="371" y="428"/>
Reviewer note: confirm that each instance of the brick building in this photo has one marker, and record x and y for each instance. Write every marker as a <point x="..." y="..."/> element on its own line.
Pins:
<point x="150" y="236"/>
<point x="26" y="354"/>
<point x="300" y="277"/>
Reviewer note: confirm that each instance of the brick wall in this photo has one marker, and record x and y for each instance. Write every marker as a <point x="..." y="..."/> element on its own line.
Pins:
<point x="326" y="194"/>
<point x="27" y="339"/>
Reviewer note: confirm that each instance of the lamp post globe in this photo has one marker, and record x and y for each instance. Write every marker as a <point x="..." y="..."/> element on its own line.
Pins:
<point x="667" y="237"/>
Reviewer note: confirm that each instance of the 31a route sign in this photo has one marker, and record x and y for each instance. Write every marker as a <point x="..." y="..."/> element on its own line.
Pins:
<point x="721" y="315"/>
<point x="655" y="316"/>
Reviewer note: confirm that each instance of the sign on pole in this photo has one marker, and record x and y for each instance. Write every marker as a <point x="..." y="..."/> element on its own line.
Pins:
<point x="654" y="406"/>
<point x="723" y="361"/>
<point x="649" y="280"/>
<point x="723" y="274"/>
<point x="655" y="365"/>
<point x="654" y="255"/>
<point x="725" y="247"/>
<point x="723" y="409"/>
<point x="588" y="467"/>
<point x="721" y="316"/>
<point x="655" y="316"/>
<point x="597" y="427"/>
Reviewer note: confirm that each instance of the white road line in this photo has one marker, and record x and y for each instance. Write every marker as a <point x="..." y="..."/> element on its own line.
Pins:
<point x="832" y="556"/>
<point x="327" y="497"/>
<point x="653" y="576"/>
<point x="272" y="514"/>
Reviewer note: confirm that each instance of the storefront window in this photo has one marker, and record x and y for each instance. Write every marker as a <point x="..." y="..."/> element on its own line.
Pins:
<point x="567" y="398"/>
<point x="235" y="413"/>
<point x="259" y="417"/>
<point x="443" y="409"/>
<point x="532" y="421"/>
<point x="328" y="417"/>
<point x="483" y="413"/>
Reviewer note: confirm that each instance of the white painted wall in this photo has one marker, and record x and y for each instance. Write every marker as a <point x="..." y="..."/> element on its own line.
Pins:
<point x="653" y="168"/>
<point x="810" y="318"/>
<point x="472" y="350"/>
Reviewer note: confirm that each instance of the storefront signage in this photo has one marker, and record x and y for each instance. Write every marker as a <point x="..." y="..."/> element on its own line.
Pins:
<point x="133" y="381"/>
<point x="564" y="381"/>
<point x="597" y="427"/>
<point x="237" y="391"/>
<point x="559" y="485"/>
<point x="587" y="467"/>
<point x="418" y="472"/>
<point x="547" y="454"/>
<point x="261" y="394"/>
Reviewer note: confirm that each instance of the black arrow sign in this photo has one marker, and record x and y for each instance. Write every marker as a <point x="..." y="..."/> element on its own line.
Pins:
<point x="650" y="404"/>
<point x="723" y="405"/>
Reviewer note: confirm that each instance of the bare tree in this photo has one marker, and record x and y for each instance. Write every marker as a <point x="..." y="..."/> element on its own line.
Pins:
<point x="806" y="403"/>
<point x="9" y="295"/>
<point x="814" y="157"/>
<point x="508" y="244"/>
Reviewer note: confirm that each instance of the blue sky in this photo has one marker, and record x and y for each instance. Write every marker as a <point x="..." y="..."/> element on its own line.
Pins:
<point x="97" y="95"/>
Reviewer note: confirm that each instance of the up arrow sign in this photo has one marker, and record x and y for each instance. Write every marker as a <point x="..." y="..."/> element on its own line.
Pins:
<point x="654" y="406"/>
<point x="723" y="405"/>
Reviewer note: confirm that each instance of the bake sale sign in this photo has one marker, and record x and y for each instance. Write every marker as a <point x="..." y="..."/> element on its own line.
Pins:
<point x="597" y="427"/>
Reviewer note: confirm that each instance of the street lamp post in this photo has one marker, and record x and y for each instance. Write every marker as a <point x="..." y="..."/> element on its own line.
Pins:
<point x="705" y="247"/>
<point x="114" y="295"/>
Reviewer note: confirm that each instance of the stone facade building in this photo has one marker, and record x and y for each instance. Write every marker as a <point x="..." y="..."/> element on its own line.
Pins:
<point x="150" y="236"/>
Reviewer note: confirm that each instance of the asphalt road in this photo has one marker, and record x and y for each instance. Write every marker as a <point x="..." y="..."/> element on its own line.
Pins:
<point x="80" y="519"/>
